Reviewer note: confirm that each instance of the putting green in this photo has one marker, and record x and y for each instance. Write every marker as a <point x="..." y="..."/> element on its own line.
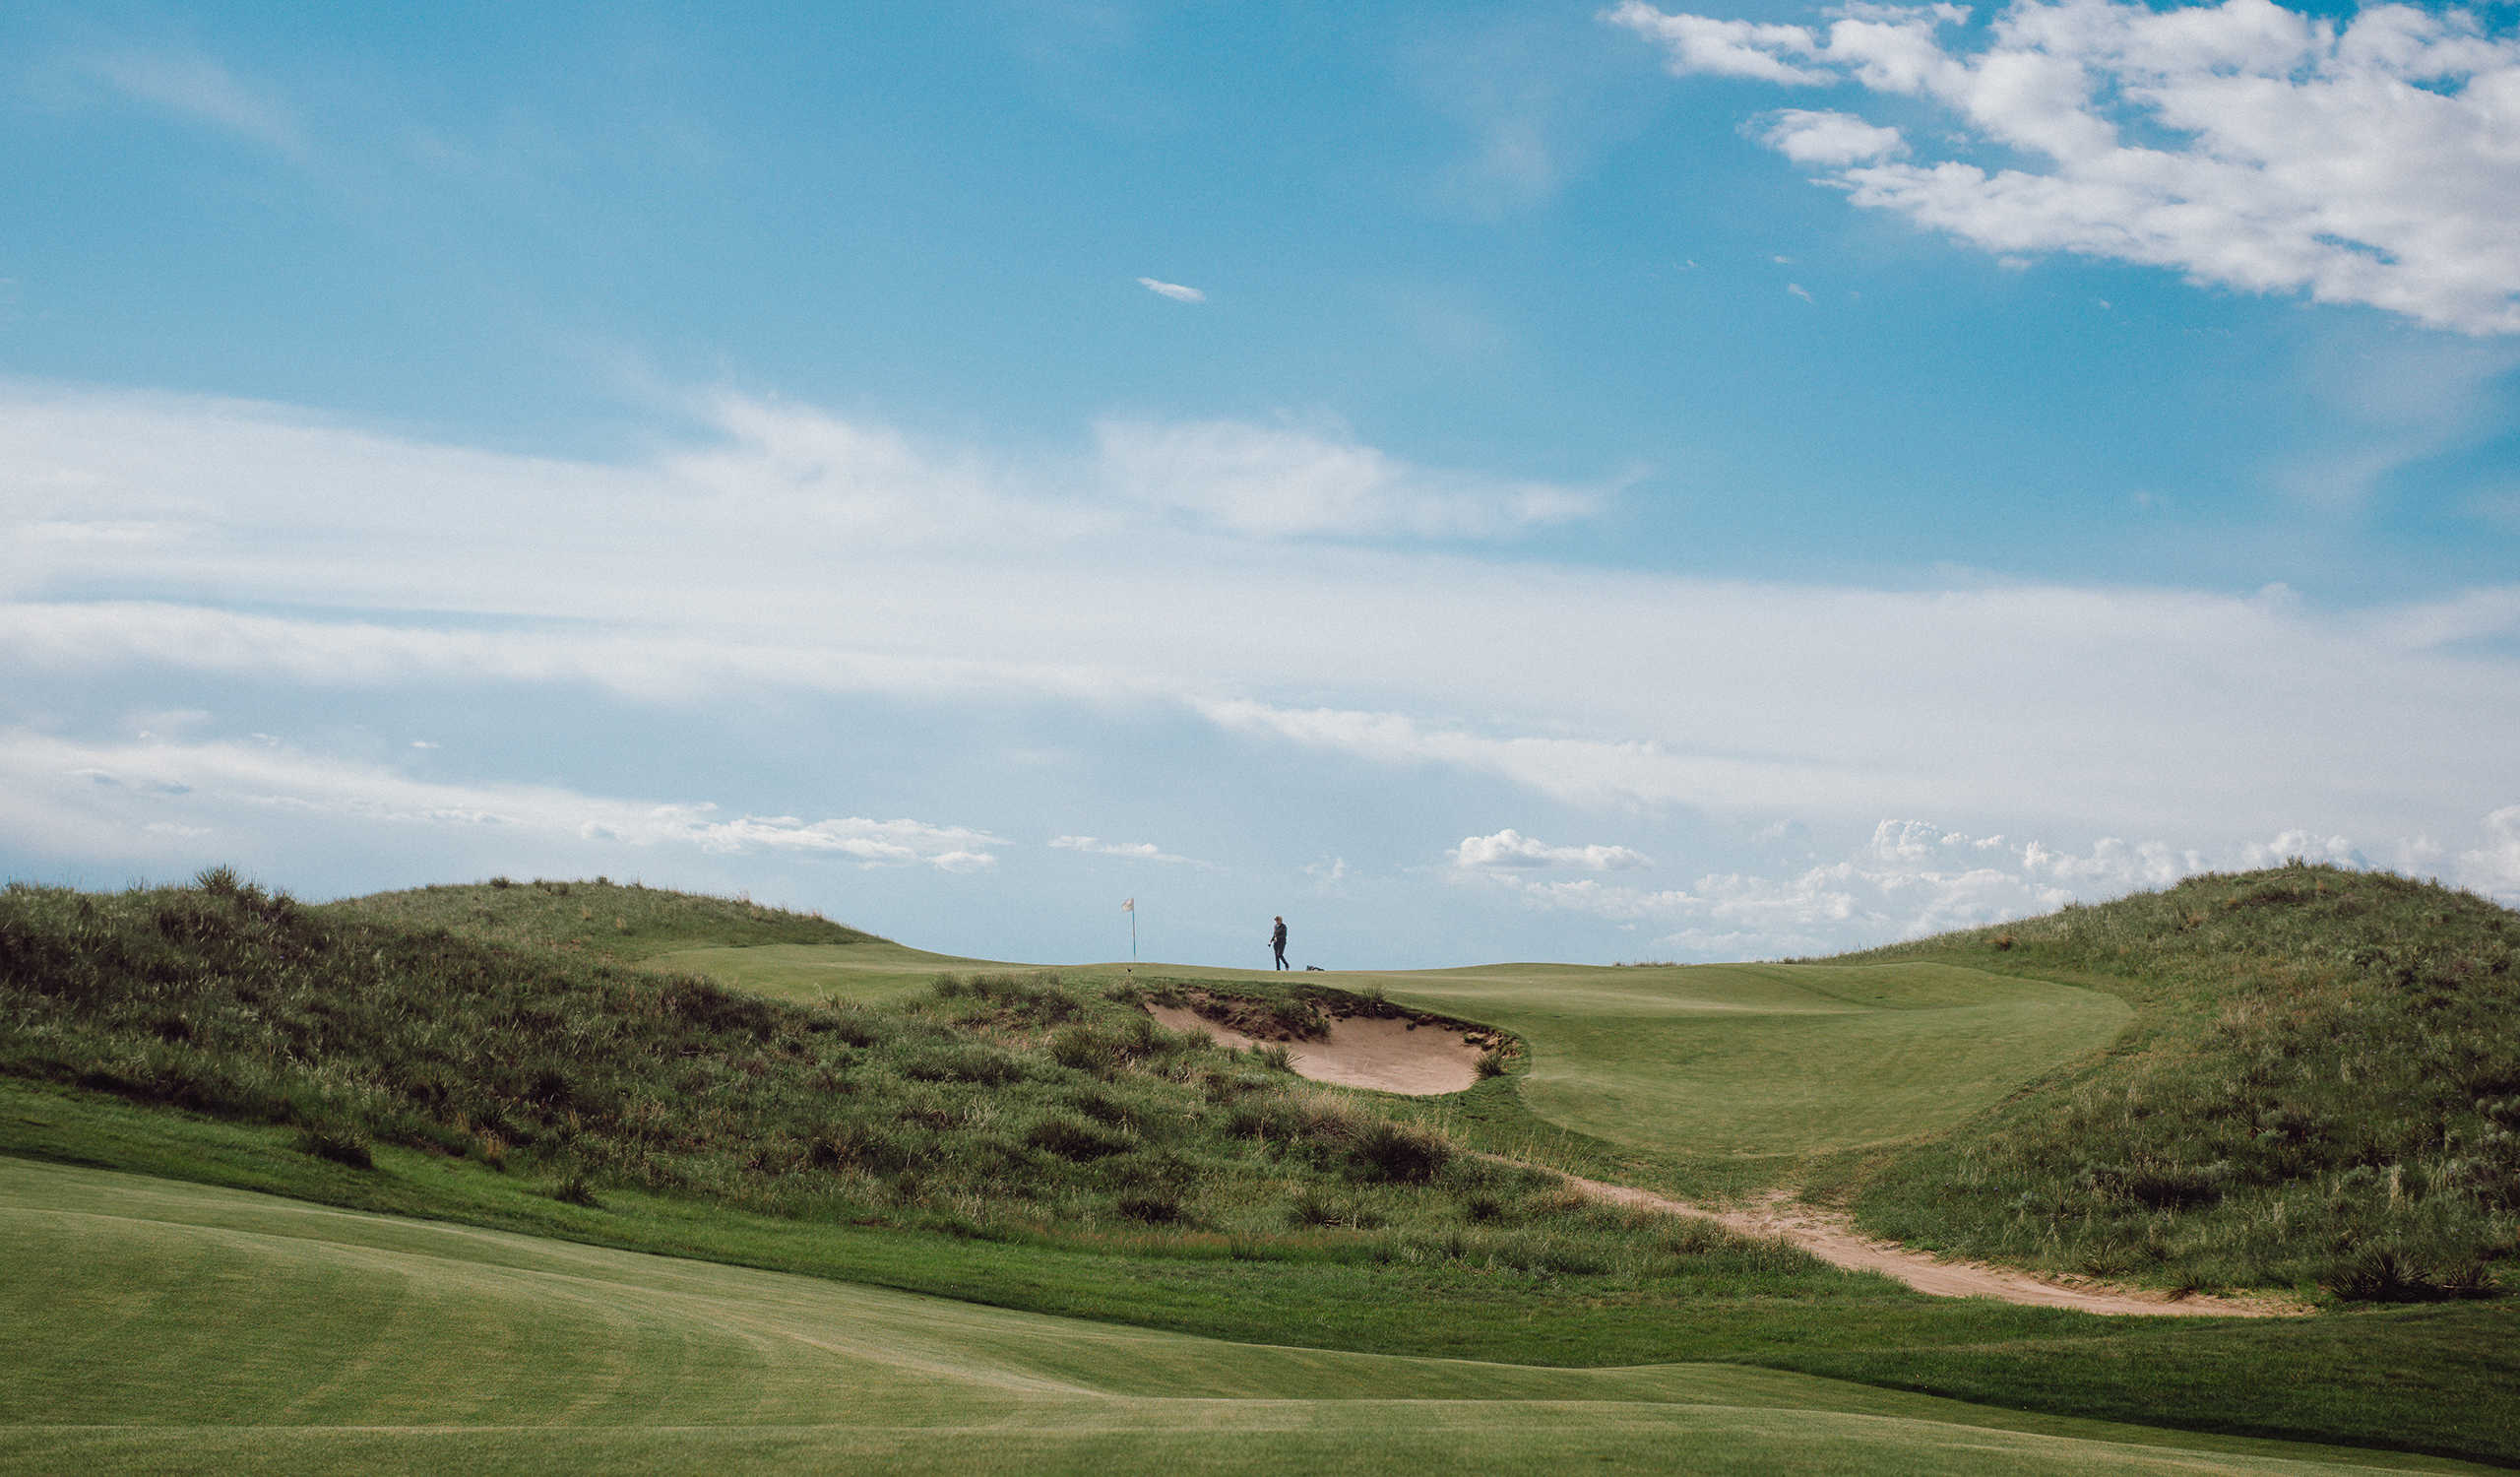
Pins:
<point x="147" y="1326"/>
<point x="1706" y="1059"/>
<point x="1772" y="1058"/>
<point x="810" y="972"/>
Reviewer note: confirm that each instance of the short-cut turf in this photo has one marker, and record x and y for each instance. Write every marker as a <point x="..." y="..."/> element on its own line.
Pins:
<point x="162" y="1328"/>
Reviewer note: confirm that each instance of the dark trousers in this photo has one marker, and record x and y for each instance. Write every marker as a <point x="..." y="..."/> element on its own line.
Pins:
<point x="1280" y="951"/>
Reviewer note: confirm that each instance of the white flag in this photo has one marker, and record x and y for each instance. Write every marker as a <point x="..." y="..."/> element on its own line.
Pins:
<point x="1130" y="906"/>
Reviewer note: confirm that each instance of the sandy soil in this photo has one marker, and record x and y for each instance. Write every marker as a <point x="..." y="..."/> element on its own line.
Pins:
<point x="1835" y="1240"/>
<point x="1360" y="1052"/>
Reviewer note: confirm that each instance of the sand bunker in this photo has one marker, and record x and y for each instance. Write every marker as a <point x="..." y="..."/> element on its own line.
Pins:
<point x="1360" y="1052"/>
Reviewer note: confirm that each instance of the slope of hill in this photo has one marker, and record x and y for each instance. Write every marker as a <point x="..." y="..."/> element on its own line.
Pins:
<point x="994" y="1105"/>
<point x="601" y="918"/>
<point x="2322" y="1086"/>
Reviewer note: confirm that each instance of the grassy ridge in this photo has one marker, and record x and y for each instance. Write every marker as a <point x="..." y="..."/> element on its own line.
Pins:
<point x="599" y="919"/>
<point x="994" y="1105"/>
<point x="122" y="1313"/>
<point x="2323" y="1087"/>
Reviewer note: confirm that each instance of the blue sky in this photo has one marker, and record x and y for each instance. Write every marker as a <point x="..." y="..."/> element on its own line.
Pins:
<point x="1485" y="482"/>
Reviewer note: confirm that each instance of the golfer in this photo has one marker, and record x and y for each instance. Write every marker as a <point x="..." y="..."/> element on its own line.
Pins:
<point x="1277" y="941"/>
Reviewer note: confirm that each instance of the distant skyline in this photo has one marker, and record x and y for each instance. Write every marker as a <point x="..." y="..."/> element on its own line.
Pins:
<point x="1485" y="482"/>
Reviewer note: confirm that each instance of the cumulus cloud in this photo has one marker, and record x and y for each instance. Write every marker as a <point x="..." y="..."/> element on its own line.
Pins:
<point x="2372" y="161"/>
<point x="1143" y="851"/>
<point x="1275" y="481"/>
<point x="88" y="799"/>
<point x="1832" y="139"/>
<point x="1914" y="878"/>
<point x="2494" y="869"/>
<point x="1511" y="850"/>
<point x="1173" y="289"/>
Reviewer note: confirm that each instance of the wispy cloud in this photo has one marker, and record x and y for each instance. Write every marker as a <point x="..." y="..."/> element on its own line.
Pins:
<point x="1511" y="850"/>
<point x="2363" y="162"/>
<point x="1142" y="851"/>
<point x="1173" y="289"/>
<point x="946" y="574"/>
<point x="1277" y="481"/>
<point x="200" y="88"/>
<point x="82" y="798"/>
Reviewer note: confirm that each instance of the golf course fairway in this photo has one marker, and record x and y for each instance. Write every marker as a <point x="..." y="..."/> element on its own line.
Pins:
<point x="1702" y="1060"/>
<point x="1771" y="1059"/>
<point x="164" y="1328"/>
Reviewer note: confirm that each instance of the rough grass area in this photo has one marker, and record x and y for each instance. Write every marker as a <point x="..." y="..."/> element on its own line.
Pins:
<point x="2322" y="1088"/>
<point x="994" y="1105"/>
<point x="602" y="918"/>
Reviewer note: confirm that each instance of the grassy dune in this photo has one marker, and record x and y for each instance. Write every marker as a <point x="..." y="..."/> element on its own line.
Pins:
<point x="2322" y="1086"/>
<point x="162" y="1328"/>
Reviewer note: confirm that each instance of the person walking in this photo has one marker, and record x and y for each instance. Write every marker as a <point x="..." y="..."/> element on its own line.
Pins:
<point x="1277" y="941"/>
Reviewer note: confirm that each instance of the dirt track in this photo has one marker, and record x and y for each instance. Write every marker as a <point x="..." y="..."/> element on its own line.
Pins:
<point x="1835" y="1240"/>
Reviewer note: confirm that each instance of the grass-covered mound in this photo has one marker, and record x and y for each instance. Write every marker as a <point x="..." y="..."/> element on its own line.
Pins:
<point x="2323" y="1087"/>
<point x="996" y="1105"/>
<point x="626" y="920"/>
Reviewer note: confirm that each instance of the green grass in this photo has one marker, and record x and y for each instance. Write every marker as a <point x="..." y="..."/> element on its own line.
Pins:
<point x="2439" y="1380"/>
<point x="995" y="1106"/>
<point x="2322" y="1088"/>
<point x="1772" y="1060"/>
<point x="162" y="1328"/>
<point x="1077" y="1162"/>
<point x="1706" y="1079"/>
<point x="600" y="919"/>
<point x="808" y="974"/>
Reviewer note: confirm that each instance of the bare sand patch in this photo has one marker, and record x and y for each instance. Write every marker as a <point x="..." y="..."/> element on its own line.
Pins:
<point x="1833" y="1240"/>
<point x="1388" y="1054"/>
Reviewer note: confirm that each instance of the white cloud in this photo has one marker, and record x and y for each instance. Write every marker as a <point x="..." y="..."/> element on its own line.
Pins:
<point x="1173" y="289"/>
<point x="201" y="89"/>
<point x="2248" y="146"/>
<point x="1280" y="481"/>
<point x="1913" y="880"/>
<point x="1509" y="849"/>
<point x="1832" y="139"/>
<point x="2494" y="869"/>
<point x="1143" y="851"/>
<point x="89" y="799"/>
<point x="939" y="573"/>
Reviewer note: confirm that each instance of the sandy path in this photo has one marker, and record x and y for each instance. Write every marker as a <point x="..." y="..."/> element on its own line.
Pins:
<point x="1833" y="1240"/>
<point x="1360" y="1052"/>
